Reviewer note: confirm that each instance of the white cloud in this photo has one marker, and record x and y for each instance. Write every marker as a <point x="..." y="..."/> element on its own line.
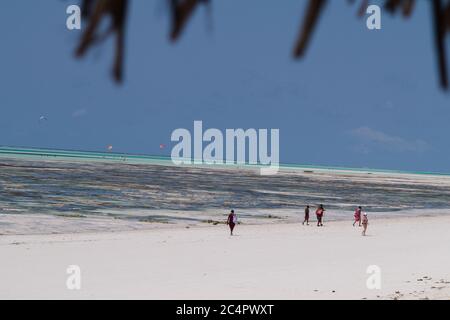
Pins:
<point x="79" y="113"/>
<point x="373" y="138"/>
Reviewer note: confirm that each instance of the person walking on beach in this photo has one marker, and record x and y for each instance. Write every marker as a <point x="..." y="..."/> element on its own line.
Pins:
<point x="306" y="216"/>
<point x="357" y="216"/>
<point x="365" y="223"/>
<point x="319" y="213"/>
<point x="232" y="220"/>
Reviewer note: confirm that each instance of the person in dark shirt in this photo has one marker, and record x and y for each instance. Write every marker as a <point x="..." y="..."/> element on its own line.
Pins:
<point x="306" y="216"/>
<point x="231" y="221"/>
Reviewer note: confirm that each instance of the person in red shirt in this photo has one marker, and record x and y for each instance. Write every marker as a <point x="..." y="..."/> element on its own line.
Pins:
<point x="357" y="216"/>
<point x="231" y="221"/>
<point x="319" y="213"/>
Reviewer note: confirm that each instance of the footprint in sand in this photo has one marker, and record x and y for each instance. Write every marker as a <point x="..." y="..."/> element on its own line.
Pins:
<point x="397" y="295"/>
<point x="16" y="243"/>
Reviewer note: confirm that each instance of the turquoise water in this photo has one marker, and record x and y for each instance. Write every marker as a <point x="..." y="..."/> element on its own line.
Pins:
<point x="79" y="155"/>
<point x="147" y="159"/>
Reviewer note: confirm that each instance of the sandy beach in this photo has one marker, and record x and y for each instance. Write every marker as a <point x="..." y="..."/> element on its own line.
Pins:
<point x="268" y="261"/>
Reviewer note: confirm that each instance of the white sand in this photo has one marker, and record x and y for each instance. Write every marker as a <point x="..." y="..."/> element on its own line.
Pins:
<point x="275" y="261"/>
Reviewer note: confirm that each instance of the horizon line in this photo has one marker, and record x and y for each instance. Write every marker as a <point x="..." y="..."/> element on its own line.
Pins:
<point x="165" y="157"/>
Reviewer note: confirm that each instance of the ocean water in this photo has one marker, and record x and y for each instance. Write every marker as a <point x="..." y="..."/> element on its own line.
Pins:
<point x="151" y="189"/>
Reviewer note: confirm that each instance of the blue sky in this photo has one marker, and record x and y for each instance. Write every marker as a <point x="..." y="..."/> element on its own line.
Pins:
<point x="360" y="98"/>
